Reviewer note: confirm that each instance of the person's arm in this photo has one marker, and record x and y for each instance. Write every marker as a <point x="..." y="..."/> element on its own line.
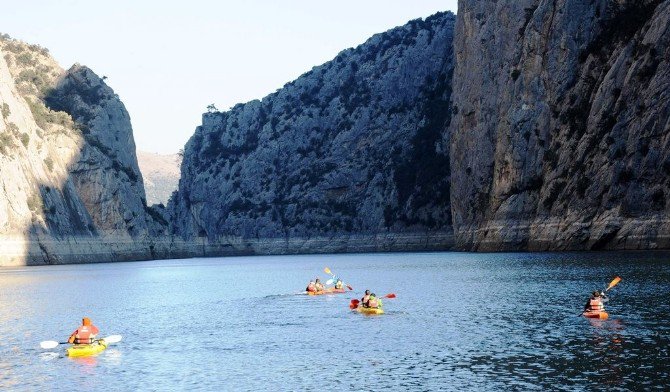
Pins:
<point x="71" y="338"/>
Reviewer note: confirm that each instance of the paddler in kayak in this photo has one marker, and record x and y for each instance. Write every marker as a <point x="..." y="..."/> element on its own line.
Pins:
<point x="339" y="284"/>
<point x="85" y="334"/>
<point x="374" y="302"/>
<point x="596" y="303"/>
<point x="311" y="287"/>
<point x="365" y="299"/>
<point x="319" y="285"/>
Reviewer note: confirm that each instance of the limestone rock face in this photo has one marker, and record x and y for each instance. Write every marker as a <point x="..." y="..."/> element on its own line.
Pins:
<point x="351" y="147"/>
<point x="560" y="137"/>
<point x="71" y="188"/>
<point x="106" y="174"/>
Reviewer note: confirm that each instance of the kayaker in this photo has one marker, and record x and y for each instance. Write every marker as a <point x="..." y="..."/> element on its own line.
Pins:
<point x="365" y="299"/>
<point x="311" y="287"/>
<point x="374" y="302"/>
<point x="319" y="285"/>
<point x="595" y="304"/>
<point x="85" y="334"/>
<point x="339" y="284"/>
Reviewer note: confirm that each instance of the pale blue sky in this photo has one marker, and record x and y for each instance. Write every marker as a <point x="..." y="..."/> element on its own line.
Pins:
<point x="168" y="60"/>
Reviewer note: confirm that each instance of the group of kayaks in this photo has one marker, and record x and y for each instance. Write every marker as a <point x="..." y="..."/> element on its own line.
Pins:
<point x="355" y="304"/>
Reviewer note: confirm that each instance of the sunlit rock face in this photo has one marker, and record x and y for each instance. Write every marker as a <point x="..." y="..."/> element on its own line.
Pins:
<point x="351" y="147"/>
<point x="560" y="137"/>
<point x="71" y="189"/>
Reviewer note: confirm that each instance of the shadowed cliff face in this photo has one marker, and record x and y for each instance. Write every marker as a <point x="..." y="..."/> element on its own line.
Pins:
<point x="106" y="175"/>
<point x="353" y="146"/>
<point x="560" y="137"/>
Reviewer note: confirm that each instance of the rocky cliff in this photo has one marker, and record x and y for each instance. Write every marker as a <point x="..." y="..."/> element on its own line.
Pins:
<point x="352" y="147"/>
<point x="559" y="137"/>
<point x="71" y="188"/>
<point x="561" y="127"/>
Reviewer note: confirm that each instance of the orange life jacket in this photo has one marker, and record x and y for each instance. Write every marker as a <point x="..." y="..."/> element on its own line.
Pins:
<point x="85" y="334"/>
<point x="311" y="287"/>
<point x="596" y="305"/>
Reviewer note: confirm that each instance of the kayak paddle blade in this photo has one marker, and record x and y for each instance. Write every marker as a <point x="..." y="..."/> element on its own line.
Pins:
<point x="329" y="281"/>
<point x="350" y="288"/>
<point x="49" y="344"/>
<point x="391" y="295"/>
<point x="327" y="270"/>
<point x="613" y="283"/>
<point x="113" y="339"/>
<point x="354" y="304"/>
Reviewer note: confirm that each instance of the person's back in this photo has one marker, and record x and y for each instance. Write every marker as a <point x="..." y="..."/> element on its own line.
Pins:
<point x="595" y="303"/>
<point x="365" y="299"/>
<point x="338" y="284"/>
<point x="311" y="287"/>
<point x="319" y="285"/>
<point x="85" y="334"/>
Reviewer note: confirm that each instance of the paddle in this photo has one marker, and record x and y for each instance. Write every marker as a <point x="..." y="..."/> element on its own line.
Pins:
<point x="49" y="344"/>
<point x="329" y="281"/>
<point x="329" y="272"/>
<point x="613" y="283"/>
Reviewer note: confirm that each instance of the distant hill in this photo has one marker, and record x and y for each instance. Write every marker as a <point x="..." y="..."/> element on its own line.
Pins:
<point x="161" y="175"/>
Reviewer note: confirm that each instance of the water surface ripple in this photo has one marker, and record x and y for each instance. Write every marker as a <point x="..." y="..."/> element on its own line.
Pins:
<point x="461" y="321"/>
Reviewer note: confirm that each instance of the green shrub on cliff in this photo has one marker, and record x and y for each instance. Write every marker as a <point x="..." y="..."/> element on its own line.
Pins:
<point x="5" y="110"/>
<point x="25" y="139"/>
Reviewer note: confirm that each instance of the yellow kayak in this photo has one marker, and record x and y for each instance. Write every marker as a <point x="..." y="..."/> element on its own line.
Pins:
<point x="363" y="310"/>
<point x="85" y="350"/>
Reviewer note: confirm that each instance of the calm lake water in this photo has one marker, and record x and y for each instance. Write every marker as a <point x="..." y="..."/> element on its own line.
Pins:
<point x="460" y="321"/>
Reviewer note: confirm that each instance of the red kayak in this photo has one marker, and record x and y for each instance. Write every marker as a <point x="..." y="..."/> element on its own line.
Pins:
<point x="602" y="315"/>
<point x="326" y="291"/>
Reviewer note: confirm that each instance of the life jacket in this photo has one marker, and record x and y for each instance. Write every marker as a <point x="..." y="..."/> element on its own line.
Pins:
<point x="311" y="287"/>
<point x="596" y="305"/>
<point x="85" y="334"/>
<point x="338" y="285"/>
<point x="373" y="303"/>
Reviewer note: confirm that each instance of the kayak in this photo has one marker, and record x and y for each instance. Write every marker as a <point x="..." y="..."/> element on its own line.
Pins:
<point x="85" y="350"/>
<point x="326" y="291"/>
<point x="596" y="315"/>
<point x="363" y="310"/>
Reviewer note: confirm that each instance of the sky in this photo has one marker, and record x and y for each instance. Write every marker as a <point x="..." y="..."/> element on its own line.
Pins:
<point x="167" y="60"/>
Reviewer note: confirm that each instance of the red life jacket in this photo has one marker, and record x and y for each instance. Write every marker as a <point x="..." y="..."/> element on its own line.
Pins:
<point x="85" y="334"/>
<point x="311" y="287"/>
<point x="596" y="305"/>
